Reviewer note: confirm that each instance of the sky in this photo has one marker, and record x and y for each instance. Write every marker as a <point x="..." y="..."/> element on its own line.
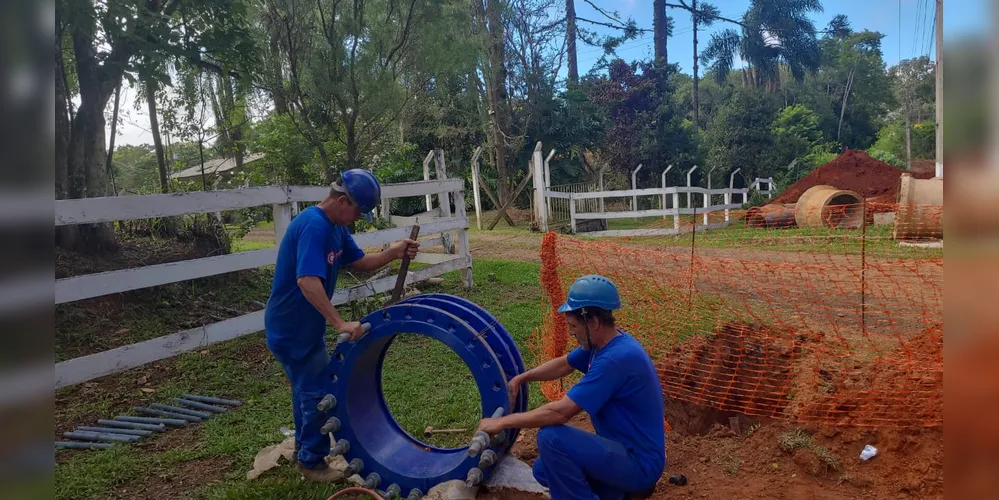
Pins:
<point x="908" y="26"/>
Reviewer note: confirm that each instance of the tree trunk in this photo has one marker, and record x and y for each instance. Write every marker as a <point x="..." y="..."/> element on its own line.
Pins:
<point x="65" y="235"/>
<point x="497" y="92"/>
<point x="114" y="132"/>
<point x="842" y="111"/>
<point x="277" y="92"/>
<point x="693" y="14"/>
<point x="570" y="39"/>
<point x="659" y="30"/>
<point x="86" y="159"/>
<point x="155" y="129"/>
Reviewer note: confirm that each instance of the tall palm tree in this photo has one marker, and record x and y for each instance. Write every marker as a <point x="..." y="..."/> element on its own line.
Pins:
<point x="774" y="33"/>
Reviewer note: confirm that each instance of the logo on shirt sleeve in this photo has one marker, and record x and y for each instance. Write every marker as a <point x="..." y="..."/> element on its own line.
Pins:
<point x="332" y="256"/>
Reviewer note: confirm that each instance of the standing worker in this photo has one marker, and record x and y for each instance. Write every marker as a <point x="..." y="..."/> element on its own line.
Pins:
<point x="621" y="392"/>
<point x="314" y="248"/>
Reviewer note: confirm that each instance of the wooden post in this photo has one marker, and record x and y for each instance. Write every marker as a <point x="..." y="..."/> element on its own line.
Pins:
<point x="516" y="193"/>
<point x="444" y="198"/>
<point x="475" y="187"/>
<point x="463" y="246"/>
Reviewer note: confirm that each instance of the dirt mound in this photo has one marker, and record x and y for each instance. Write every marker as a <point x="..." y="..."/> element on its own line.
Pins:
<point x="903" y="388"/>
<point x="740" y="370"/>
<point x="856" y="171"/>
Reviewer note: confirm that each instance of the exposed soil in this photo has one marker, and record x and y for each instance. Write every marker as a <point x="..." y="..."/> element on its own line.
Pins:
<point x="741" y="368"/>
<point x="178" y="481"/>
<point x="854" y="171"/>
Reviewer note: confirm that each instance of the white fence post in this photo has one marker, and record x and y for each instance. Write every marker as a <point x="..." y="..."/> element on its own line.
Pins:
<point x="463" y="247"/>
<point x="689" y="204"/>
<point x="282" y="218"/>
<point x="572" y="212"/>
<point x="475" y="187"/>
<point x="426" y="176"/>
<point x="676" y="207"/>
<point x="548" y="183"/>
<point x="444" y="198"/>
<point x="664" y="187"/>
<point x="540" y="207"/>
<point x="634" y="185"/>
<point x="602" y="170"/>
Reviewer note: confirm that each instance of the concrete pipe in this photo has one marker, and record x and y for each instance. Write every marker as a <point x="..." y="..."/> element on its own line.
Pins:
<point x="920" y="209"/>
<point x="774" y="215"/>
<point x="826" y="206"/>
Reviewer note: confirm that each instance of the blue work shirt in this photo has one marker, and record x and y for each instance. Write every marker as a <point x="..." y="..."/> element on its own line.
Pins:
<point x="620" y="389"/>
<point x="312" y="246"/>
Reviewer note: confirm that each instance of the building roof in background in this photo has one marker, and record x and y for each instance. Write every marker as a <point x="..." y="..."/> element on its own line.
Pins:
<point x="215" y="166"/>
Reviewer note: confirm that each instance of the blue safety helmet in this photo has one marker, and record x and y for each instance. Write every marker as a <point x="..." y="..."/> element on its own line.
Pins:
<point x="592" y="290"/>
<point x="363" y="189"/>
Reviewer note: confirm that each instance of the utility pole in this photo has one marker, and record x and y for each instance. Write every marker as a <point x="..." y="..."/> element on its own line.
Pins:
<point x="939" y="89"/>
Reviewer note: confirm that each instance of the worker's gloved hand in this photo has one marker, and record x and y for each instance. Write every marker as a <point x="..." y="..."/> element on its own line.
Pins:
<point x="354" y="328"/>
<point x="402" y="247"/>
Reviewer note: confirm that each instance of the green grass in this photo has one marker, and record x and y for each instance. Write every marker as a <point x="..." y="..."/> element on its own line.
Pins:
<point x="876" y="242"/>
<point x="213" y="457"/>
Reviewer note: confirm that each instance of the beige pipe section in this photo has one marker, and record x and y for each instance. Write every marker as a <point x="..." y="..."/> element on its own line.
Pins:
<point x="920" y="209"/>
<point x="826" y="206"/>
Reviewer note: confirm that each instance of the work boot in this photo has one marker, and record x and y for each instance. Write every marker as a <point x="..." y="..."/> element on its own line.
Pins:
<point x="321" y="473"/>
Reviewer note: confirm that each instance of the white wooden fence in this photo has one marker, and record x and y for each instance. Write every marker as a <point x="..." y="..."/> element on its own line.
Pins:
<point x="283" y="198"/>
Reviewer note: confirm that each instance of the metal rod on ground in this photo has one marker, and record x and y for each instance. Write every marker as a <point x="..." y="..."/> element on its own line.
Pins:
<point x="132" y="425"/>
<point x="488" y="459"/>
<point x="83" y="446"/>
<point x="400" y="280"/>
<point x="166" y="414"/>
<point x="342" y="446"/>
<point x="372" y="481"/>
<point x="173" y="422"/>
<point x="98" y="436"/>
<point x="185" y="411"/>
<point x="112" y="430"/>
<point x="201" y="406"/>
<point x="331" y="425"/>
<point x="354" y="467"/>
<point x="214" y="401"/>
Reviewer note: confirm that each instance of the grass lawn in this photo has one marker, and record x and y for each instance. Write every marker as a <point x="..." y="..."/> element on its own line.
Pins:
<point x="210" y="459"/>
<point x="876" y="242"/>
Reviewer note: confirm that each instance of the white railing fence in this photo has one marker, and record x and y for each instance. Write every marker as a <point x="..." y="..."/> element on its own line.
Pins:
<point x="433" y="232"/>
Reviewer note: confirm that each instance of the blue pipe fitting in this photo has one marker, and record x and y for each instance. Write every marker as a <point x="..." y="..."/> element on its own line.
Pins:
<point x="375" y="438"/>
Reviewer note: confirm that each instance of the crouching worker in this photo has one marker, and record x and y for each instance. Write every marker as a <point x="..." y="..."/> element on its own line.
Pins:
<point x="621" y="392"/>
<point x="315" y="247"/>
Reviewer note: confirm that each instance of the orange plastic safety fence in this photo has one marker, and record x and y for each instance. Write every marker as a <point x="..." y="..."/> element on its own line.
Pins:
<point x="839" y="325"/>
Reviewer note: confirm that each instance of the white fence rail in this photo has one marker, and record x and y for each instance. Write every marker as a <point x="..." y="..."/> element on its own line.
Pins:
<point x="441" y="231"/>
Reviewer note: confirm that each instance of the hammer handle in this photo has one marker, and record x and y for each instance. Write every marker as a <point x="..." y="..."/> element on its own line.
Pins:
<point x="400" y="280"/>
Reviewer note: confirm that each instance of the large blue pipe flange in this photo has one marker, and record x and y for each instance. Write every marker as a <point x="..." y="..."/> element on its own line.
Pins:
<point x="375" y="443"/>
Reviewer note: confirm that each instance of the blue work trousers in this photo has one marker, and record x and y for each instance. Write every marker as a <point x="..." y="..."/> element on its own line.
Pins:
<point x="308" y="386"/>
<point x="579" y="465"/>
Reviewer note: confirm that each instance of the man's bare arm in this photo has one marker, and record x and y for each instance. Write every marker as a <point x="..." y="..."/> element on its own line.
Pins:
<point x="312" y="288"/>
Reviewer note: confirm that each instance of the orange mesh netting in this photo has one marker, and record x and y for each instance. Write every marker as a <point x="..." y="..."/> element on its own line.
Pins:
<point x="841" y="326"/>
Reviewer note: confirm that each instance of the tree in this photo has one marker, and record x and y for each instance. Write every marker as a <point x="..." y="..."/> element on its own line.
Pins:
<point x="741" y="135"/>
<point x="774" y="33"/>
<point x="646" y="123"/>
<point x="106" y="37"/>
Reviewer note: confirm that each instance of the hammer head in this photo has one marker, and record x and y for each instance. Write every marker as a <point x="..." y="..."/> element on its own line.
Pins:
<point x="428" y="431"/>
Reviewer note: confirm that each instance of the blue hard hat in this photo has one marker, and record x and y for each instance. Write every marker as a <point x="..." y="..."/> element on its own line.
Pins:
<point x="592" y="290"/>
<point x="363" y="189"/>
